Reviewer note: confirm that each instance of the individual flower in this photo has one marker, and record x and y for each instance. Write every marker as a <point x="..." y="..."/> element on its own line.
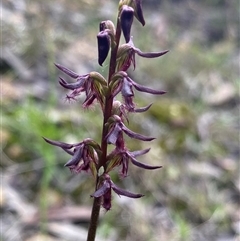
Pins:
<point x="105" y="192"/>
<point x="124" y="84"/>
<point x="105" y="39"/>
<point x="126" y="55"/>
<point x="85" y="155"/>
<point x="121" y="110"/>
<point x="92" y="84"/>
<point x="123" y="157"/>
<point x="126" y="20"/>
<point x="115" y="129"/>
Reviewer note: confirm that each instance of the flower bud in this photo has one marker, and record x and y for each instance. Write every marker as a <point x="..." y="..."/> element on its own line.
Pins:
<point x="126" y="17"/>
<point x="103" y="46"/>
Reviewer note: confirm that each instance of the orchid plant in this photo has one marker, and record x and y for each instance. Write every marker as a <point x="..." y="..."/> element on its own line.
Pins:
<point x="92" y="156"/>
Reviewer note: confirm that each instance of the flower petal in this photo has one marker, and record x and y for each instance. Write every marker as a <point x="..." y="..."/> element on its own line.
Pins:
<point x="142" y="109"/>
<point x="150" y="54"/>
<point x="145" y="89"/>
<point x="67" y="71"/>
<point x="74" y="94"/>
<point x="127" y="88"/>
<point x="80" y="82"/>
<point x="137" y="6"/>
<point x="102" y="190"/>
<point x="135" y="135"/>
<point x="107" y="198"/>
<point x="88" y="101"/>
<point x="123" y="192"/>
<point x="68" y="151"/>
<point x="129" y="104"/>
<point x="139" y="164"/>
<point x="139" y="152"/>
<point x="59" y="143"/>
<point x="77" y="156"/>
<point x="113" y="134"/>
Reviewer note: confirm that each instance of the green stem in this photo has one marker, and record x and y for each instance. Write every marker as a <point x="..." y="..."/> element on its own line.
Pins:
<point x="107" y="113"/>
<point x="94" y="218"/>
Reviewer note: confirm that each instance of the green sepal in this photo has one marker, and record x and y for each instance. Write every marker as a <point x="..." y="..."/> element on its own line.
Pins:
<point x="90" y="142"/>
<point x="121" y="3"/>
<point x="93" y="169"/>
<point x="123" y="55"/>
<point x="113" y="162"/>
<point x="98" y="77"/>
<point x="99" y="85"/>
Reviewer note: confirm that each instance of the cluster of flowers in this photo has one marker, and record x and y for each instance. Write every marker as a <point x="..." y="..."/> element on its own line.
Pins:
<point x="86" y="155"/>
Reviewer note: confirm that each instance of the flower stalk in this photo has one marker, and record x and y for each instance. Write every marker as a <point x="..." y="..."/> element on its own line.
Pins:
<point x="106" y="115"/>
<point x="89" y="155"/>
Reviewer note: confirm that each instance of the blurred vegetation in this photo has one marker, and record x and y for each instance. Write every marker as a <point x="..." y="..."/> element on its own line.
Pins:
<point x="195" y="196"/>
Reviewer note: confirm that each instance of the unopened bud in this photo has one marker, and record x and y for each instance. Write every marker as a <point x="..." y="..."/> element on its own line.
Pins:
<point x="103" y="46"/>
<point x="126" y="18"/>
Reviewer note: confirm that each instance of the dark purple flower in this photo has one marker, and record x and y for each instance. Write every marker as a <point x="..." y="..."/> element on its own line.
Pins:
<point x="117" y="127"/>
<point x="125" y="85"/>
<point x="126" y="19"/>
<point x="123" y="157"/>
<point x="105" y="191"/>
<point x="126" y="55"/>
<point x="85" y="155"/>
<point x="91" y="84"/>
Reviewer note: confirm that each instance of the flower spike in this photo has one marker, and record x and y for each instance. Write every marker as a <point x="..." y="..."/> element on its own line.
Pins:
<point x="88" y="155"/>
